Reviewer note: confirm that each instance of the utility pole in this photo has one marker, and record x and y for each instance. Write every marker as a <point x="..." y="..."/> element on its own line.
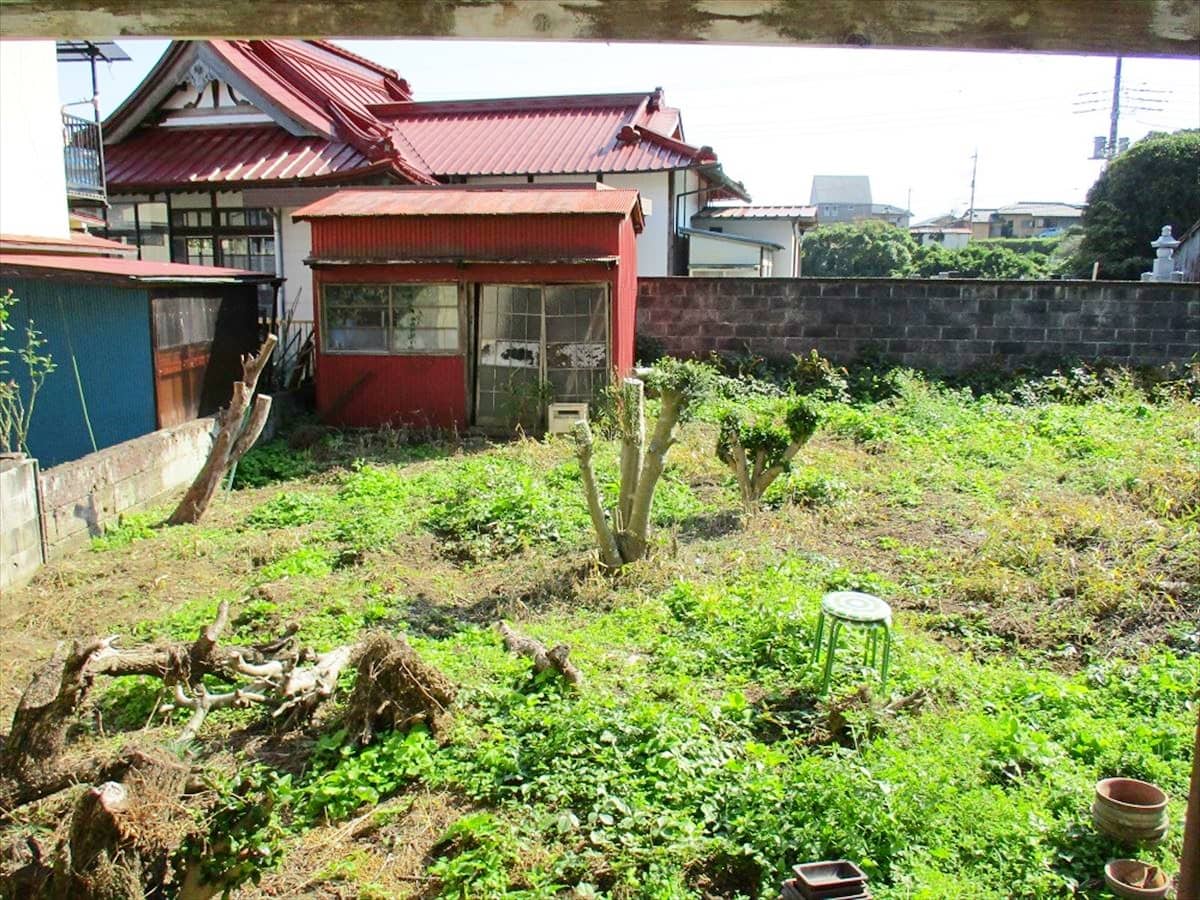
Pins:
<point x="971" y="208"/>
<point x="1115" y="115"/>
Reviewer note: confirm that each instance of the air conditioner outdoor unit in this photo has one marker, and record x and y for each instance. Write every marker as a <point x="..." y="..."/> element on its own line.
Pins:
<point x="563" y="416"/>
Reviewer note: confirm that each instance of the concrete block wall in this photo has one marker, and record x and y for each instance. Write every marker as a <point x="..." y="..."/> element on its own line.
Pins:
<point x="79" y="498"/>
<point x="20" y="528"/>
<point x="929" y="323"/>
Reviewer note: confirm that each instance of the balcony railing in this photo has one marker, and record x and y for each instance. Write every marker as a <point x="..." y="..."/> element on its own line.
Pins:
<point x="83" y="156"/>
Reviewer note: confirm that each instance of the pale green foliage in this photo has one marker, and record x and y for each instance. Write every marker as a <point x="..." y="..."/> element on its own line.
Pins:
<point x="17" y="399"/>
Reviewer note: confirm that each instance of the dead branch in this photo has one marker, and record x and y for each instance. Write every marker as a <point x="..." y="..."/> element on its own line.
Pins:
<point x="290" y="681"/>
<point x="235" y="435"/>
<point x="396" y="689"/>
<point x="543" y="659"/>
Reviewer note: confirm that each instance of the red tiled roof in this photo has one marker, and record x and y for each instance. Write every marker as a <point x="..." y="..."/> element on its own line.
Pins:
<point x="757" y="212"/>
<point x="474" y="201"/>
<point x="210" y="157"/>
<point x="133" y="269"/>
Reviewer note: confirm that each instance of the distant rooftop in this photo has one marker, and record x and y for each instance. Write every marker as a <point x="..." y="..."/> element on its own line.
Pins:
<point x="1041" y="208"/>
<point x="749" y="211"/>
<point x="855" y="189"/>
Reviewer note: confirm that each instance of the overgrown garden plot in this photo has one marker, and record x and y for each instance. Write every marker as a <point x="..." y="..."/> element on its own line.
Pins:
<point x="1040" y="545"/>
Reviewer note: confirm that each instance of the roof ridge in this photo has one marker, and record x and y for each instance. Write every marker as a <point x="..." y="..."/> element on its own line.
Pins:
<point x="352" y="57"/>
<point x="573" y="101"/>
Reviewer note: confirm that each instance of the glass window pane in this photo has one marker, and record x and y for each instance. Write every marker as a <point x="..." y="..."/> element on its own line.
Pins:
<point x="424" y="318"/>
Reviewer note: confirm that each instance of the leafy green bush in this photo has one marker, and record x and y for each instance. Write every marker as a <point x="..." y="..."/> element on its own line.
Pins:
<point x="271" y="462"/>
<point x="130" y="527"/>
<point x="290" y="509"/>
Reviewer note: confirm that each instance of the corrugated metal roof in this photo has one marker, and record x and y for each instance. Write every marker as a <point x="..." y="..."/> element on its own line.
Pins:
<point x="855" y="189"/>
<point x="160" y="157"/>
<point x="76" y="243"/>
<point x="757" y="212"/>
<point x="318" y="92"/>
<point x="455" y="201"/>
<point x="1039" y="208"/>
<point x="544" y="135"/>
<point x="132" y="269"/>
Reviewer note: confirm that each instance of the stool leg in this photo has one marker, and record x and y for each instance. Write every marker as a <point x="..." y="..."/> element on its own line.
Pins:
<point x="834" y="627"/>
<point x="887" y="655"/>
<point x="873" y="638"/>
<point x="816" y="654"/>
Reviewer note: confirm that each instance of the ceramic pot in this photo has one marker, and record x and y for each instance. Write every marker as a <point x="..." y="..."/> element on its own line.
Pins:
<point x="1130" y="811"/>
<point x="1135" y="880"/>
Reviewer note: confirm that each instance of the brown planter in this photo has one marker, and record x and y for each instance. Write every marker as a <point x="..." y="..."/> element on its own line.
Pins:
<point x="1135" y="880"/>
<point x="830" y="879"/>
<point x="1130" y="811"/>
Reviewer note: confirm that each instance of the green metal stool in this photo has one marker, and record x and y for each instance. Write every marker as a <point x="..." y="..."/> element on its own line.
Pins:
<point x="854" y="609"/>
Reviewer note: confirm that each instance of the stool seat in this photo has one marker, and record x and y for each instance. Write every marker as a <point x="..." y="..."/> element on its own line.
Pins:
<point x="853" y="609"/>
<point x="855" y="606"/>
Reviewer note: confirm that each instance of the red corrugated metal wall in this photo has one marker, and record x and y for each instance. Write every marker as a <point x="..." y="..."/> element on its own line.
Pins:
<point x="369" y="390"/>
<point x="625" y="301"/>
<point x="425" y="391"/>
<point x="471" y="237"/>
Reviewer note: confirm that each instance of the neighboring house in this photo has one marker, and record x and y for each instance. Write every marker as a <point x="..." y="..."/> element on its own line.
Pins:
<point x="724" y="238"/>
<point x="1033" y="219"/>
<point x="471" y="305"/>
<point x="949" y="236"/>
<point x="138" y="345"/>
<point x="847" y="198"/>
<point x="981" y="223"/>
<point x="224" y="140"/>
<point x="1187" y="254"/>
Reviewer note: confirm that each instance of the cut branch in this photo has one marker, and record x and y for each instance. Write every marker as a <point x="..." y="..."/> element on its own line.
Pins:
<point x="556" y="658"/>
<point x="632" y="540"/>
<point x="235" y="435"/>
<point x="610" y="555"/>
<point x="633" y="441"/>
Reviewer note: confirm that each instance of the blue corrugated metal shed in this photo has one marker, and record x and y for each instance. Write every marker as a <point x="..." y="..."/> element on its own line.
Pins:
<point x="109" y="329"/>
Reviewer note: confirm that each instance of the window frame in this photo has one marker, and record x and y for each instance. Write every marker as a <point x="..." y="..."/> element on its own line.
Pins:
<point x="390" y="318"/>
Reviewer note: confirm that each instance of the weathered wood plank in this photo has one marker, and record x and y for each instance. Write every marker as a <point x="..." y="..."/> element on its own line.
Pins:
<point x="1130" y="27"/>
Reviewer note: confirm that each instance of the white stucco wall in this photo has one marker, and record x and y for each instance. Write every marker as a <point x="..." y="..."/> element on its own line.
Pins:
<point x="33" y="185"/>
<point x="653" y="242"/>
<point x="296" y="238"/>
<point x="777" y="231"/>
<point x="718" y="253"/>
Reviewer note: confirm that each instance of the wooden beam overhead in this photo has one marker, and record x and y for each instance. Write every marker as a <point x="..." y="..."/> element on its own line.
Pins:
<point x="1112" y="27"/>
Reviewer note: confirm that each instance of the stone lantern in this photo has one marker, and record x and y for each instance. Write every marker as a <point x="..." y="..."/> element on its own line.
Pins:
<point x="1164" y="264"/>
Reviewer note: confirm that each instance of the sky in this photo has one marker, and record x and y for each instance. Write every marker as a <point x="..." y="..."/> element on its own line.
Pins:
<point x="776" y="116"/>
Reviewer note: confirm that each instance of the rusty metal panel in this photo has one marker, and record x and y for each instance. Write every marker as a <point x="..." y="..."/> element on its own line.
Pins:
<point x="199" y="337"/>
<point x="522" y="237"/>
<point x="473" y="201"/>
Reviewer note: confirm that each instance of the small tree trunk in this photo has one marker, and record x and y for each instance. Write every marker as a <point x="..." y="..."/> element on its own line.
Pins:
<point x="633" y="539"/>
<point x="633" y="442"/>
<point x="234" y="437"/>
<point x="766" y="478"/>
<point x="610" y="554"/>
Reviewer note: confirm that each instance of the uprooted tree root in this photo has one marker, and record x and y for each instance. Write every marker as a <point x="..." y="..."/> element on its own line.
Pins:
<point x="124" y="831"/>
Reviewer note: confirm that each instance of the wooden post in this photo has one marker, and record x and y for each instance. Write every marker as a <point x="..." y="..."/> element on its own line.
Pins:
<point x="1189" y="868"/>
<point x="233" y="437"/>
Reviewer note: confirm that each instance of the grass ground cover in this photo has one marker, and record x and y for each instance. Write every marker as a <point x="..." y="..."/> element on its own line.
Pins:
<point x="1040" y="544"/>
